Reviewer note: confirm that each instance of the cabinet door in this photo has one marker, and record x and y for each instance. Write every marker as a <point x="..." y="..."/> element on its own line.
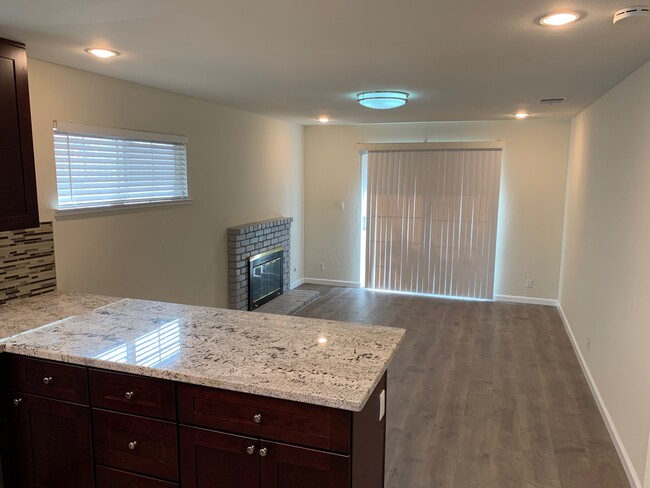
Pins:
<point x="217" y="460"/>
<point x="284" y="466"/>
<point x="53" y="442"/>
<point x="18" y="202"/>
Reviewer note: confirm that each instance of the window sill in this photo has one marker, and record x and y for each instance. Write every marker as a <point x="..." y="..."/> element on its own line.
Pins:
<point x="71" y="213"/>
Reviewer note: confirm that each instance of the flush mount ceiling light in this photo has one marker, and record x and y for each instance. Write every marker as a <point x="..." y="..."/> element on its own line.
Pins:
<point x="522" y="115"/>
<point x="323" y="119"/>
<point x="382" y="100"/>
<point x="101" y="53"/>
<point x="559" y="18"/>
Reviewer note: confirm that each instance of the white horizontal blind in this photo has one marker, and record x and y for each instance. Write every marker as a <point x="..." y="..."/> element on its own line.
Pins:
<point x="118" y="167"/>
<point x="431" y="221"/>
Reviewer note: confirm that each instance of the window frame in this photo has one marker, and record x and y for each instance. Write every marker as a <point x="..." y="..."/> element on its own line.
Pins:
<point x="63" y="211"/>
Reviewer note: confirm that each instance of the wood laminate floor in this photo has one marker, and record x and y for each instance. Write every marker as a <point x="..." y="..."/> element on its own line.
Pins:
<point x="482" y="394"/>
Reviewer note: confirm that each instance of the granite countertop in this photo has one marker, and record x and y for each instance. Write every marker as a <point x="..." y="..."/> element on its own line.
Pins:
<point x="24" y="314"/>
<point x="334" y="364"/>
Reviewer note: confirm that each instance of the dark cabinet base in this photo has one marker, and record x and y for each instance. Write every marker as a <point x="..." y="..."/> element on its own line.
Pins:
<point x="217" y="459"/>
<point x="113" y="478"/>
<point x="298" y="467"/>
<point x="54" y="449"/>
<point x="194" y="437"/>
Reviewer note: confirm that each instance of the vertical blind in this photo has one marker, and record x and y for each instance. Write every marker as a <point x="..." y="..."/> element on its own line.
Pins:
<point x="431" y="221"/>
<point x="99" y="167"/>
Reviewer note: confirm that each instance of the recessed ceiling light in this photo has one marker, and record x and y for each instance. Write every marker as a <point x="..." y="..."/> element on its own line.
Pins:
<point x="559" y="18"/>
<point x="323" y="119"/>
<point x="522" y="115"/>
<point x="101" y="53"/>
<point x="382" y="100"/>
<point x="322" y="340"/>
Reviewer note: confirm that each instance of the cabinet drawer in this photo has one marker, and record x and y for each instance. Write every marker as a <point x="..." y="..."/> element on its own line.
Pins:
<point x="49" y="379"/>
<point x="281" y="420"/>
<point x="133" y="394"/>
<point x="137" y="444"/>
<point x="112" y="478"/>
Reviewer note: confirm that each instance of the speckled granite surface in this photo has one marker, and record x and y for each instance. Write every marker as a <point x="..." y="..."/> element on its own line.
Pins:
<point x="25" y="314"/>
<point x="328" y="363"/>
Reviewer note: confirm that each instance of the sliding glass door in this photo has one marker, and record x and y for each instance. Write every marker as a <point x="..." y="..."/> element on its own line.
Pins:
<point x="430" y="220"/>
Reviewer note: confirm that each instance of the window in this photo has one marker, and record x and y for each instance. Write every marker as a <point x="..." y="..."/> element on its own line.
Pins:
<point x="430" y="220"/>
<point x="100" y="167"/>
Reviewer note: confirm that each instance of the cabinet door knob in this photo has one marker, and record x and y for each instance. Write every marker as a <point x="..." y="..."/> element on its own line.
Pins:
<point x="250" y="449"/>
<point x="18" y="401"/>
<point x="132" y="445"/>
<point x="47" y="380"/>
<point x="129" y="395"/>
<point x="263" y="452"/>
<point x="257" y="418"/>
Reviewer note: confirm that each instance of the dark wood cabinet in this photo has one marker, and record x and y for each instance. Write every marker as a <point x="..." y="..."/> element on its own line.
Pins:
<point x="218" y="460"/>
<point x="114" y="478"/>
<point x="53" y="443"/>
<point x="223" y="460"/>
<point x="70" y="424"/>
<point x="285" y="466"/>
<point x="18" y="200"/>
<point x="271" y="418"/>
<point x="146" y="446"/>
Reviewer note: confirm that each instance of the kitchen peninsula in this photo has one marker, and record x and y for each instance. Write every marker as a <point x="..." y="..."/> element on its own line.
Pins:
<point x="133" y="393"/>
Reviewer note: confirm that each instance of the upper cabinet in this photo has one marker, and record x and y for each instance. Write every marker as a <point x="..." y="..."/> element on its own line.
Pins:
<point x="18" y="200"/>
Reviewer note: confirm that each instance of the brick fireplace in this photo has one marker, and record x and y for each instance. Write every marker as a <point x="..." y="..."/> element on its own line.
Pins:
<point x="248" y="240"/>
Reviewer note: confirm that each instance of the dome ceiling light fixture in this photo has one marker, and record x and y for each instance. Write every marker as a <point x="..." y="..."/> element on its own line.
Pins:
<point x="557" y="19"/>
<point x="382" y="99"/>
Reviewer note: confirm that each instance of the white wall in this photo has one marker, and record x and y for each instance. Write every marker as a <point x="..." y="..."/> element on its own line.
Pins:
<point x="242" y="167"/>
<point x="605" y="279"/>
<point x="531" y="210"/>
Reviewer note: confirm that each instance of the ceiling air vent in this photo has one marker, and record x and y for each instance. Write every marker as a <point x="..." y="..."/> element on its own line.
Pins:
<point x="552" y="100"/>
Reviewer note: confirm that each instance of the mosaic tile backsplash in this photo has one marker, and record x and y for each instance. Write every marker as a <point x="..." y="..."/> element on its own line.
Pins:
<point x="27" y="262"/>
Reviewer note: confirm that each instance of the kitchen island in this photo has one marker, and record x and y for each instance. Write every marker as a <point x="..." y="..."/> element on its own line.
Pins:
<point x="153" y="394"/>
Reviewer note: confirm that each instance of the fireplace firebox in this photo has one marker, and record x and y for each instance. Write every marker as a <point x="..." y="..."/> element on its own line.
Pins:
<point x="265" y="277"/>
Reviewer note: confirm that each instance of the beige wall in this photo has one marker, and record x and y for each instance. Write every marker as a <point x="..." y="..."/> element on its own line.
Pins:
<point x="531" y="206"/>
<point x="242" y="167"/>
<point x="605" y="280"/>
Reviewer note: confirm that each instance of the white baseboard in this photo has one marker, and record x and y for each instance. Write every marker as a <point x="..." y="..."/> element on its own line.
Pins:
<point x="530" y="300"/>
<point x="296" y="283"/>
<point x="632" y="476"/>
<point x="344" y="284"/>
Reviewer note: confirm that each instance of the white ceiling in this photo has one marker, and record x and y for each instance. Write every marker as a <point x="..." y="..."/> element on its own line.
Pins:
<point x="298" y="59"/>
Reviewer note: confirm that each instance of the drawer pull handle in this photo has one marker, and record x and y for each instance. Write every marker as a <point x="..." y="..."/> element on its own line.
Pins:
<point x="129" y="395"/>
<point x="257" y="418"/>
<point x="263" y="452"/>
<point x="47" y="380"/>
<point x="133" y="445"/>
<point x="250" y="449"/>
<point x="18" y="401"/>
